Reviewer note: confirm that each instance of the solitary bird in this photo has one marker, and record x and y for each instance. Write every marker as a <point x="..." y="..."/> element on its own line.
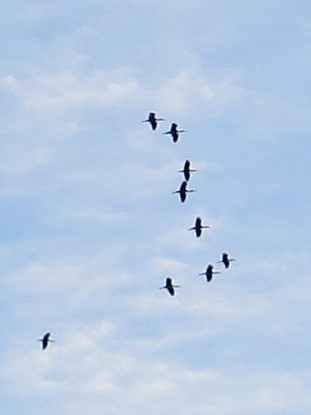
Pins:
<point x="45" y="340"/>
<point x="169" y="286"/>
<point x="198" y="227"/>
<point x="226" y="260"/>
<point x="183" y="191"/>
<point x="174" y="132"/>
<point x="209" y="273"/>
<point x="153" y="120"/>
<point x="187" y="170"/>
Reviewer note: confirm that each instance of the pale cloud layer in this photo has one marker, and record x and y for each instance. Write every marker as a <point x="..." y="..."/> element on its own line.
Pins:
<point x="90" y="228"/>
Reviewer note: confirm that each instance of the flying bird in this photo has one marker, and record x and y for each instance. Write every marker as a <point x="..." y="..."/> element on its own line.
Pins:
<point x="45" y="340"/>
<point x="198" y="227"/>
<point x="187" y="170"/>
<point x="183" y="191"/>
<point x="174" y="132"/>
<point x="226" y="260"/>
<point x="153" y="120"/>
<point x="169" y="286"/>
<point x="209" y="273"/>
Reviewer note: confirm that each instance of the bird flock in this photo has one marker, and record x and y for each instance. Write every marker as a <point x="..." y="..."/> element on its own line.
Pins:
<point x="182" y="191"/>
<point x="169" y="285"/>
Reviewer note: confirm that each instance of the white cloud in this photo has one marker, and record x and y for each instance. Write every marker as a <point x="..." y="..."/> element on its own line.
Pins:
<point x="65" y="90"/>
<point x="90" y="229"/>
<point x="10" y="83"/>
<point x="188" y="89"/>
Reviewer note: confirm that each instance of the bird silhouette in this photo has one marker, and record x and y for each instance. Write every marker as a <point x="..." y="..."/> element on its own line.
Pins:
<point x="187" y="170"/>
<point x="174" y="132"/>
<point x="183" y="191"/>
<point x="45" y="340"/>
<point x="209" y="272"/>
<point x="198" y="227"/>
<point x="169" y="286"/>
<point x="226" y="260"/>
<point x="153" y="120"/>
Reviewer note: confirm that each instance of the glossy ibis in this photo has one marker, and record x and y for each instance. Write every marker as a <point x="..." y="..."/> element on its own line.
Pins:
<point x="209" y="273"/>
<point x="153" y="120"/>
<point x="198" y="227"/>
<point x="226" y="260"/>
<point x="174" y="132"/>
<point x="169" y="286"/>
<point x="187" y="170"/>
<point x="45" y="340"/>
<point x="183" y="191"/>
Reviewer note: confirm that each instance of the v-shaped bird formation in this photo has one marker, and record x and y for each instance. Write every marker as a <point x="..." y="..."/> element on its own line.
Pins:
<point x="183" y="191"/>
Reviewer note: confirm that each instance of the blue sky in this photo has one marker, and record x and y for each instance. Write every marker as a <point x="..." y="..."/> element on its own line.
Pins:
<point x="90" y="229"/>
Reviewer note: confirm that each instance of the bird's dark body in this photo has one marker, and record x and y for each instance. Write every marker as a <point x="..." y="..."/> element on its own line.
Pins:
<point x="45" y="340"/>
<point x="198" y="227"/>
<point x="225" y="260"/>
<point x="183" y="191"/>
<point x="209" y="273"/>
<point x="169" y="286"/>
<point x="174" y="132"/>
<point x="152" y="120"/>
<point x="187" y="170"/>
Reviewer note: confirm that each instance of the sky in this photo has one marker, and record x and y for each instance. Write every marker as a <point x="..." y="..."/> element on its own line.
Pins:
<point x="90" y="229"/>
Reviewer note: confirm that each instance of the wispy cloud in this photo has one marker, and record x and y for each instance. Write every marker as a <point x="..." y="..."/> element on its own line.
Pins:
<point x="90" y="228"/>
